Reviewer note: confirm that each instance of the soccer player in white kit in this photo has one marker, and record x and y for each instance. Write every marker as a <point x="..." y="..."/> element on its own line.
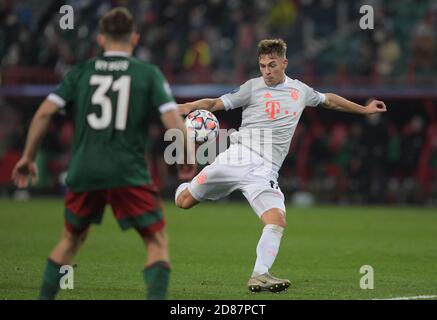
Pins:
<point x="272" y="104"/>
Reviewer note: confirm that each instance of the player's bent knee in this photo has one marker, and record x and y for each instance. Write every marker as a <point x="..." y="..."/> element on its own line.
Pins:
<point x="185" y="204"/>
<point x="185" y="200"/>
<point x="181" y="196"/>
<point x="274" y="216"/>
<point x="180" y="202"/>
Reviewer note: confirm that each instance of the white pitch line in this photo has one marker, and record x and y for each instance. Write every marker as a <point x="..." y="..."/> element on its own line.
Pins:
<point x="410" y="298"/>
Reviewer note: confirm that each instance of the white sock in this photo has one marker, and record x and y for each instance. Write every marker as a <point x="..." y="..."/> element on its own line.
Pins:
<point x="181" y="188"/>
<point x="267" y="248"/>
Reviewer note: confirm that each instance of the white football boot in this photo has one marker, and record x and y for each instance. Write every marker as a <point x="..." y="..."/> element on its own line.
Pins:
<point x="266" y="282"/>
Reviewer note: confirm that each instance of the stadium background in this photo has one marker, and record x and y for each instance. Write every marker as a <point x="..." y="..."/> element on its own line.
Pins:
<point x="206" y="48"/>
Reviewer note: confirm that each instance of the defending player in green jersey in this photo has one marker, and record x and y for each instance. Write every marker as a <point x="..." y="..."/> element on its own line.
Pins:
<point x="110" y="98"/>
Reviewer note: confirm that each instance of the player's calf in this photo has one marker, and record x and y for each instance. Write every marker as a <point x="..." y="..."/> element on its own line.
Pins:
<point x="68" y="245"/>
<point x="157" y="246"/>
<point x="62" y="254"/>
<point x="157" y="268"/>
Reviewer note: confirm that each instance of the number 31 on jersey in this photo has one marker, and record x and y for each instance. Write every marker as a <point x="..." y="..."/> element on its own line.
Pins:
<point x="104" y="83"/>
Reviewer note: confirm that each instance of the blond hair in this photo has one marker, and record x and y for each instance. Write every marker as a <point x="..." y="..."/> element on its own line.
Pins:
<point x="272" y="46"/>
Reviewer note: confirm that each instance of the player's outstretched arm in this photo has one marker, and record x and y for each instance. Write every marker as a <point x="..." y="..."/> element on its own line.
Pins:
<point x="172" y="120"/>
<point x="206" y="104"/>
<point x="338" y="103"/>
<point x="26" y="166"/>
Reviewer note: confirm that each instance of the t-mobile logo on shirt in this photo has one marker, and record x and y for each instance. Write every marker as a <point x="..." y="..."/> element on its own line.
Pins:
<point x="273" y="107"/>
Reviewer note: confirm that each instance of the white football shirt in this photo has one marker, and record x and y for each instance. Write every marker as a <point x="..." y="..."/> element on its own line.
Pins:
<point x="270" y="115"/>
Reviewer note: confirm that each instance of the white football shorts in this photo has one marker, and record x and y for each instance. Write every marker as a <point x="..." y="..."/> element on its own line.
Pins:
<point x="238" y="168"/>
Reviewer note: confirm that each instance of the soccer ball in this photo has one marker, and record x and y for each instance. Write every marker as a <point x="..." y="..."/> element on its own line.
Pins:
<point x="202" y="126"/>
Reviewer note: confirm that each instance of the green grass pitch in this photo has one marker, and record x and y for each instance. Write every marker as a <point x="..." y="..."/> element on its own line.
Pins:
<point x="213" y="252"/>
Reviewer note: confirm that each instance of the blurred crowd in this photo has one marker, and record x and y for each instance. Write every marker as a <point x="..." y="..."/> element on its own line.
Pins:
<point x="334" y="157"/>
<point x="389" y="159"/>
<point x="373" y="160"/>
<point x="215" y="40"/>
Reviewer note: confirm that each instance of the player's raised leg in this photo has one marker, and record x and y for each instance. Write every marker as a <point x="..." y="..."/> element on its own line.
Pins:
<point x="214" y="182"/>
<point x="184" y="198"/>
